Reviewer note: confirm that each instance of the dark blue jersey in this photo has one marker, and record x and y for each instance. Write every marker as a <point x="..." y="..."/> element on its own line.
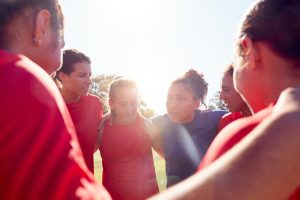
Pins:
<point x="185" y="144"/>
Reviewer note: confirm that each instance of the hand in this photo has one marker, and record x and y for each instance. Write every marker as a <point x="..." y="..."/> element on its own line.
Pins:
<point x="91" y="191"/>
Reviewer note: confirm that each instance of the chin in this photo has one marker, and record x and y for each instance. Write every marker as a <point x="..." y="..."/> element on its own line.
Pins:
<point x="175" y="120"/>
<point x="85" y="93"/>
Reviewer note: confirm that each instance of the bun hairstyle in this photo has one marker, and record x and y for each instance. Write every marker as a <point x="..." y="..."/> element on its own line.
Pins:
<point x="277" y="23"/>
<point x="196" y="83"/>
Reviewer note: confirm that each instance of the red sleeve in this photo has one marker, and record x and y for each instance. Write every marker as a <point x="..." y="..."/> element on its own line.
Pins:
<point x="228" y="118"/>
<point x="39" y="153"/>
<point x="231" y="135"/>
<point x="101" y="110"/>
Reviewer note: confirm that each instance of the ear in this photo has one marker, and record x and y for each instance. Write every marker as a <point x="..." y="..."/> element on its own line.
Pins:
<point x="249" y="51"/>
<point x="197" y="104"/>
<point x="62" y="76"/>
<point x="111" y="104"/>
<point x="41" y="26"/>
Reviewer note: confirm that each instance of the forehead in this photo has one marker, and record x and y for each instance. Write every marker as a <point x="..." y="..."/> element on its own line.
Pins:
<point x="125" y="93"/>
<point x="180" y="89"/>
<point x="82" y="67"/>
<point x="227" y="80"/>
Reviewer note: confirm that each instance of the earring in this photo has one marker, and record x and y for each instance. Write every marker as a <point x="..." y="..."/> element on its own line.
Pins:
<point x="37" y="42"/>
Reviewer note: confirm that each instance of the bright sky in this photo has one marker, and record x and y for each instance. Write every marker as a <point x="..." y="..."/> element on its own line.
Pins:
<point x="155" y="41"/>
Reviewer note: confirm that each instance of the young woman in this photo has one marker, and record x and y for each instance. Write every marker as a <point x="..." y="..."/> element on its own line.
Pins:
<point x="85" y="109"/>
<point x="263" y="166"/>
<point x="125" y="146"/>
<point x="39" y="153"/>
<point x="186" y="130"/>
<point x="258" y="156"/>
<point x="236" y="105"/>
<point x="266" y="63"/>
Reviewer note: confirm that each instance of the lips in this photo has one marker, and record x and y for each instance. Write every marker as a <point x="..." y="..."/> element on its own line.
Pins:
<point x="173" y="115"/>
<point x="85" y="88"/>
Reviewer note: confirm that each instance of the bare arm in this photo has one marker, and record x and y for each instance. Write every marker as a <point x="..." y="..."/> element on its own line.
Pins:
<point x="155" y="135"/>
<point x="100" y="131"/>
<point x="265" y="165"/>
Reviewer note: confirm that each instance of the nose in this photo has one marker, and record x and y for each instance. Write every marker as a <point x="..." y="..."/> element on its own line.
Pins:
<point x="130" y="109"/>
<point x="171" y="104"/>
<point x="89" y="80"/>
<point x="222" y="95"/>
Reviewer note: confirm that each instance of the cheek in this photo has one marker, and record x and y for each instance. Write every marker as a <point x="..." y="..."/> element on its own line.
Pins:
<point x="55" y="50"/>
<point x="186" y="108"/>
<point x="242" y="82"/>
<point x="236" y="79"/>
<point x="167" y="105"/>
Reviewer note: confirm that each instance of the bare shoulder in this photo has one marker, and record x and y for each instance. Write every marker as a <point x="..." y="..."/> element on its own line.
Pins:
<point x="153" y="131"/>
<point x="289" y="101"/>
<point x="151" y="128"/>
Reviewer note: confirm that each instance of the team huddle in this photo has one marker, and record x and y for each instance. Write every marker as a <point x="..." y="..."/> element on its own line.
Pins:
<point x="51" y="126"/>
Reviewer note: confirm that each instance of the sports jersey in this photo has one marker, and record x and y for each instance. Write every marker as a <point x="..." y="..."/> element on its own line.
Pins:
<point x="228" y="118"/>
<point x="39" y="153"/>
<point x="128" y="168"/>
<point x="86" y="115"/>
<point x="184" y="145"/>
<point x="234" y="133"/>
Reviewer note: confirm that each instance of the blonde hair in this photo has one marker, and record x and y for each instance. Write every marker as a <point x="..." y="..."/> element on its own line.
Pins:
<point x="121" y="82"/>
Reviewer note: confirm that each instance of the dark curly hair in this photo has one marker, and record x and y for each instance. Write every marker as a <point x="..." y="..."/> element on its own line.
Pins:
<point x="196" y="83"/>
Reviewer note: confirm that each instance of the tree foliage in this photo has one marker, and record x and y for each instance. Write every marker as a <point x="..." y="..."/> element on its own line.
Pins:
<point x="216" y="103"/>
<point x="100" y="87"/>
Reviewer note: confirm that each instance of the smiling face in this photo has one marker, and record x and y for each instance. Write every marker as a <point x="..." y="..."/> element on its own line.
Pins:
<point x="124" y="104"/>
<point x="229" y="95"/>
<point x="181" y="104"/>
<point x="79" y="80"/>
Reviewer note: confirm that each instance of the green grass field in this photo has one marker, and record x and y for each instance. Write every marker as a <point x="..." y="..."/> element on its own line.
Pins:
<point x="159" y="169"/>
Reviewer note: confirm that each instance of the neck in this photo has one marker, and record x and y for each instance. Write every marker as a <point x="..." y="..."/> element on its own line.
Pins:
<point x="246" y="111"/>
<point x="69" y="97"/>
<point x="189" y="119"/>
<point x="119" y="121"/>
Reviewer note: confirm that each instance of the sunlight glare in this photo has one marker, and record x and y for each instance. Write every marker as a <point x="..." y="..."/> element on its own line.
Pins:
<point x="129" y="8"/>
<point x="153" y="89"/>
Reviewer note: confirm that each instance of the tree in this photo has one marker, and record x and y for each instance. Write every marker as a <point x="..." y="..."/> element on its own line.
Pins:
<point x="100" y="87"/>
<point x="216" y="103"/>
<point x="145" y="110"/>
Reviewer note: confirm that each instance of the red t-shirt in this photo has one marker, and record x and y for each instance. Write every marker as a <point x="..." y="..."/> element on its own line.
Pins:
<point x="39" y="154"/>
<point x="228" y="118"/>
<point x="234" y="133"/>
<point x="86" y="116"/>
<point x="128" y="168"/>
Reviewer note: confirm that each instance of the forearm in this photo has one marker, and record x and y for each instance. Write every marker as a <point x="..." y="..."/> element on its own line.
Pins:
<point x="264" y="165"/>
